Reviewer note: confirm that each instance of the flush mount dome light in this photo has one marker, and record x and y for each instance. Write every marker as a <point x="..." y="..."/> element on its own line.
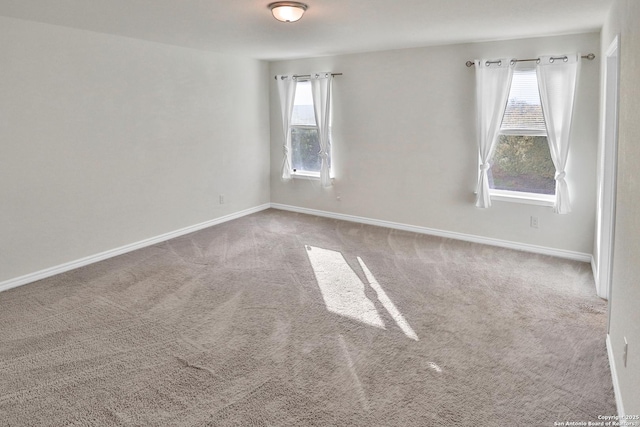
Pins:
<point x="287" y="11"/>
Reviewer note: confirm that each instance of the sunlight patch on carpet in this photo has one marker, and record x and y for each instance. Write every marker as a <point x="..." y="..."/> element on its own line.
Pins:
<point x="435" y="367"/>
<point x="341" y="288"/>
<point x="344" y="292"/>
<point x="387" y="303"/>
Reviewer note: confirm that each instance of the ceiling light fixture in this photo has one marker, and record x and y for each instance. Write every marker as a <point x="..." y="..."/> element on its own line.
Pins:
<point x="287" y="11"/>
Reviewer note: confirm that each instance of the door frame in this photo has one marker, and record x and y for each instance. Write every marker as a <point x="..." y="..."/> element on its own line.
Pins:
<point x="607" y="173"/>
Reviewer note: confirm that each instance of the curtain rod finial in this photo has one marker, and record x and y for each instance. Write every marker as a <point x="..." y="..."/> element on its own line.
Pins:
<point x="469" y="63"/>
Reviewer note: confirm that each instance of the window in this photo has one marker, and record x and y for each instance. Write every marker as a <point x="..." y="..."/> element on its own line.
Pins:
<point x="521" y="166"/>
<point x="305" y="144"/>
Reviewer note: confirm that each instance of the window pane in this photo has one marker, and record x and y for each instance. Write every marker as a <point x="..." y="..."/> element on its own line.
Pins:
<point x="305" y="146"/>
<point x="523" y="163"/>
<point x="303" y="105"/>
<point x="524" y="111"/>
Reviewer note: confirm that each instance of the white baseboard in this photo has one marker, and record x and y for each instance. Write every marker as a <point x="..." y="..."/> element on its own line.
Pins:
<point x="594" y="270"/>
<point x="48" y="272"/>
<point x="614" y="378"/>
<point x="596" y="280"/>
<point x="560" y="253"/>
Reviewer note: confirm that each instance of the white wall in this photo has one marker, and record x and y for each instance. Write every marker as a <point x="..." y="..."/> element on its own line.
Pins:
<point x="106" y="141"/>
<point x="404" y="143"/>
<point x="624" y="301"/>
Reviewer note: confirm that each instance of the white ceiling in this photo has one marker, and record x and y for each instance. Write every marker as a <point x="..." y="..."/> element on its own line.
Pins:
<point x="329" y="27"/>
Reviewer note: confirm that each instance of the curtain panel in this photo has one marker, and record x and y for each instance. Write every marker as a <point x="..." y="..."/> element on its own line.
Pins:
<point x="287" y="94"/>
<point x="321" y="84"/>
<point x="493" y="81"/>
<point x="557" y="80"/>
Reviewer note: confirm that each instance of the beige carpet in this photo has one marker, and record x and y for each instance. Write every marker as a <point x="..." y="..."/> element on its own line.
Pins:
<point x="282" y="319"/>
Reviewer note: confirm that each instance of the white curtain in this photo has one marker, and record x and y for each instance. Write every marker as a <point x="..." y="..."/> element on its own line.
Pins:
<point x="557" y="79"/>
<point x="321" y="92"/>
<point x="493" y="81"/>
<point x="287" y="93"/>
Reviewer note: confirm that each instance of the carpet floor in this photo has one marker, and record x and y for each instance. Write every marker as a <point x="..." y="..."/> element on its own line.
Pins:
<point x="284" y="319"/>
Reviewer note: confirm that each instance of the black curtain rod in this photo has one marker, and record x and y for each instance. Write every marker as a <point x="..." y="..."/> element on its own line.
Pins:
<point x="590" y="57"/>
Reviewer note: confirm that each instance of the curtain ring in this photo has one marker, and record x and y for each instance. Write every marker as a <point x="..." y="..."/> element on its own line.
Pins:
<point x="565" y="59"/>
<point x="551" y="60"/>
<point x="487" y="64"/>
<point x="500" y="63"/>
<point x="538" y="61"/>
<point x="512" y="62"/>
<point x="317" y="76"/>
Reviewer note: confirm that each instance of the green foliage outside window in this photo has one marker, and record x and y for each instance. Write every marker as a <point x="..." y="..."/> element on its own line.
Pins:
<point x="523" y="163"/>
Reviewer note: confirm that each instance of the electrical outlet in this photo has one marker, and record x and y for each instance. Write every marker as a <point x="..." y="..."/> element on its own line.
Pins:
<point x="625" y="352"/>
<point x="221" y="199"/>
<point x="534" y="222"/>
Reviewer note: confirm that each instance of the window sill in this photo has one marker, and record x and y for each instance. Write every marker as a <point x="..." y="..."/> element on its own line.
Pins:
<point x="307" y="175"/>
<point x="521" y="197"/>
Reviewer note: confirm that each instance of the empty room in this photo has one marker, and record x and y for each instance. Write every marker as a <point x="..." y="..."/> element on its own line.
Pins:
<point x="319" y="213"/>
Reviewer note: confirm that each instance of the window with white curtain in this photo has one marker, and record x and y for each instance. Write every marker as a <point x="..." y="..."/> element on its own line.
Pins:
<point x="521" y="165"/>
<point x="305" y="141"/>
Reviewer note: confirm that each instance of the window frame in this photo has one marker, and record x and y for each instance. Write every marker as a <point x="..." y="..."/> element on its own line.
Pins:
<point x="301" y="173"/>
<point x="522" y="196"/>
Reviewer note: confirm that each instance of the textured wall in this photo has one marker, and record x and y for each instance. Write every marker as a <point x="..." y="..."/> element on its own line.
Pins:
<point x="107" y="140"/>
<point x="404" y="143"/>
<point x="625" y="291"/>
